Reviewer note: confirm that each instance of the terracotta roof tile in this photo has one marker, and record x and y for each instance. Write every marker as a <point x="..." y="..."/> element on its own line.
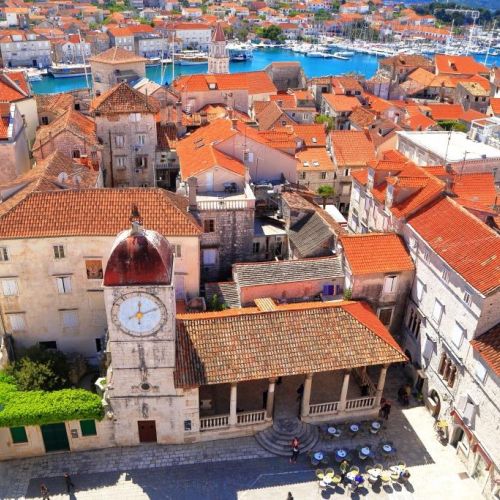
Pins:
<point x="248" y="344"/>
<point x="122" y="98"/>
<point x="351" y="148"/>
<point x="116" y="55"/>
<point x="465" y="65"/>
<point x="92" y="212"/>
<point x="256" y="82"/>
<point x="465" y="243"/>
<point x="341" y="103"/>
<point x="71" y="121"/>
<point x="376" y="253"/>
<point x="55" y="103"/>
<point x="445" y="111"/>
<point x="13" y="87"/>
<point x="488" y="347"/>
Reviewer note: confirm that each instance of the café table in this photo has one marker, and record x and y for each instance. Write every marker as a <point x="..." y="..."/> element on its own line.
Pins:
<point x="318" y="456"/>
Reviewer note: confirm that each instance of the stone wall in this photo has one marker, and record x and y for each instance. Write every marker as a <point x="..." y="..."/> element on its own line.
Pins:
<point x="232" y="238"/>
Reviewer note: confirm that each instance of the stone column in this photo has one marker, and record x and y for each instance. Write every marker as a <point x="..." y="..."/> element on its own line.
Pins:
<point x="232" y="405"/>
<point x="306" y="396"/>
<point x="270" y="399"/>
<point x="380" y="386"/>
<point x="345" y="388"/>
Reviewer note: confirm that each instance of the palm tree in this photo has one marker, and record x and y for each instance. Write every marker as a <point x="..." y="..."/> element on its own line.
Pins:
<point x="326" y="191"/>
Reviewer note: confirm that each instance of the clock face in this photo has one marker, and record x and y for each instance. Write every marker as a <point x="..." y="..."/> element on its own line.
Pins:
<point x="138" y="313"/>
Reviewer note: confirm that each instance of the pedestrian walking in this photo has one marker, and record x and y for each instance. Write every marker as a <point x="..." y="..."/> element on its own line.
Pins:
<point x="300" y="392"/>
<point x="344" y="467"/>
<point x="386" y="409"/>
<point x="69" y="484"/>
<point x="289" y="496"/>
<point x="44" y="492"/>
<point x="295" y="450"/>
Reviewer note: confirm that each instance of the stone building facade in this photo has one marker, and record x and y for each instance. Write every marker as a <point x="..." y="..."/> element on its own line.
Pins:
<point x="218" y="57"/>
<point x="126" y="128"/>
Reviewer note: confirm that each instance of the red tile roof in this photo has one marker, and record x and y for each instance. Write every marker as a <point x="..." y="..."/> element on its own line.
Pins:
<point x="13" y="87"/>
<point x="488" y="347"/>
<point x="351" y="148"/>
<point x="445" y="111"/>
<point x="464" y="65"/>
<point x="495" y="105"/>
<point x="376" y="253"/>
<point x="96" y="212"/>
<point x="341" y="103"/>
<point x="478" y="188"/>
<point x="465" y="243"/>
<point x="116" y="55"/>
<point x="256" y="82"/>
<point x="249" y="344"/>
<point x="122" y="98"/>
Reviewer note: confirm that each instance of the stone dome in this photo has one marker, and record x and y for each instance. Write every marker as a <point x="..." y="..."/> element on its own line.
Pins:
<point x="139" y="257"/>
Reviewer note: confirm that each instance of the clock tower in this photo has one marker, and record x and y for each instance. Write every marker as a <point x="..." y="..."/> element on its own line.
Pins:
<point x="139" y="297"/>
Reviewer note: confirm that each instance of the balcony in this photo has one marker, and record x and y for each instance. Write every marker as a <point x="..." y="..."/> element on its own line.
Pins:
<point x="219" y="200"/>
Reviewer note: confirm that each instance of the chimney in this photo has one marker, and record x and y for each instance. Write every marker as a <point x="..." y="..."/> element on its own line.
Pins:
<point x="234" y="123"/>
<point x="191" y="182"/>
<point x="178" y="112"/>
<point x="163" y="115"/>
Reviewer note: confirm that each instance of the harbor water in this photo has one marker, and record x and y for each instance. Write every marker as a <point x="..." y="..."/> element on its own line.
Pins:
<point x="364" y="64"/>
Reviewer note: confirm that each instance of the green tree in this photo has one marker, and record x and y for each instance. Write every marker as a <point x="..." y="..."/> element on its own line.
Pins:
<point x="40" y="369"/>
<point x="272" y="32"/>
<point x="325" y="119"/>
<point x="325" y="191"/>
<point x="322" y="15"/>
<point x="454" y="125"/>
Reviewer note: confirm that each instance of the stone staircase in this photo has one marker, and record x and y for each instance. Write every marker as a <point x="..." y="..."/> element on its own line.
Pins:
<point x="278" y="438"/>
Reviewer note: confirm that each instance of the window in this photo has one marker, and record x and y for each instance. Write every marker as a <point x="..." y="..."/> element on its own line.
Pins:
<point x="347" y="172"/>
<point x="328" y="290"/>
<point x="119" y="141"/>
<point x="209" y="257"/>
<point x="70" y="318"/>
<point x="141" y="162"/>
<point x="303" y="175"/>
<point x="45" y="120"/>
<point x="63" y="284"/>
<point x="256" y="247"/>
<point x="121" y="161"/>
<point x="447" y="369"/>
<point x="385" y="315"/>
<point x="94" y="269"/>
<point x="48" y="344"/>
<point x="141" y="139"/>
<point x="446" y="274"/>
<point x="323" y="175"/>
<point x="88" y="428"/>
<point x="135" y="117"/>
<point x="17" y="322"/>
<point x="480" y="372"/>
<point x="414" y="321"/>
<point x="467" y="298"/>
<point x="4" y="254"/>
<point x="390" y="283"/>
<point x="76" y="153"/>
<point x="98" y="344"/>
<point x="209" y="225"/>
<point x="177" y="251"/>
<point x="428" y="349"/>
<point x="457" y="335"/>
<point x="9" y="287"/>
<point x="356" y="194"/>
<point x="58" y="251"/>
<point x="437" y="312"/>
<point x="18" y="435"/>
<point x="420" y="289"/>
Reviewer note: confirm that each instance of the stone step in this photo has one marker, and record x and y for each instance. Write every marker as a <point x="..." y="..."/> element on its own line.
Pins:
<point x="277" y="439"/>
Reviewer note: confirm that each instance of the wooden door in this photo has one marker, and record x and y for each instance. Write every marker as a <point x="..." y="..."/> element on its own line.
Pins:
<point x="147" y="431"/>
<point x="55" y="437"/>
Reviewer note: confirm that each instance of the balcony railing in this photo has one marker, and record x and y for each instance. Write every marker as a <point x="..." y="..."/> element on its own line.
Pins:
<point x="215" y="422"/>
<point x="223" y="204"/>
<point x="324" y="408"/>
<point x="360" y="403"/>
<point x="251" y="417"/>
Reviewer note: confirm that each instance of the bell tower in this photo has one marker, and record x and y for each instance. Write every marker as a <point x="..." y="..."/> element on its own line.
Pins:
<point x="139" y="296"/>
<point x="218" y="57"/>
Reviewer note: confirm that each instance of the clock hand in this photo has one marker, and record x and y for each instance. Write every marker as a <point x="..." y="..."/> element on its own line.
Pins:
<point x="150" y="311"/>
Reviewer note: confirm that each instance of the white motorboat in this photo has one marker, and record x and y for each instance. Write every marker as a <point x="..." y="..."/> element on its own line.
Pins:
<point x="65" y="70"/>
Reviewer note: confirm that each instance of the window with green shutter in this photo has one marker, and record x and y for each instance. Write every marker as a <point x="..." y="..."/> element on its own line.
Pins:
<point x="88" y="427"/>
<point x="18" y="435"/>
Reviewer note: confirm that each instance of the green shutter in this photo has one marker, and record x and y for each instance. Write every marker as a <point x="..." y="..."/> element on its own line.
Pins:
<point x="88" y="427"/>
<point x="18" y="435"/>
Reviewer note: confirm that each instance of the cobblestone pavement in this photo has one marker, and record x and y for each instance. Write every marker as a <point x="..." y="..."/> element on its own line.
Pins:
<point x="239" y="469"/>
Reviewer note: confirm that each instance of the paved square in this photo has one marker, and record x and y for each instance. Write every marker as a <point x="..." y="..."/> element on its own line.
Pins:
<point x="239" y="469"/>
